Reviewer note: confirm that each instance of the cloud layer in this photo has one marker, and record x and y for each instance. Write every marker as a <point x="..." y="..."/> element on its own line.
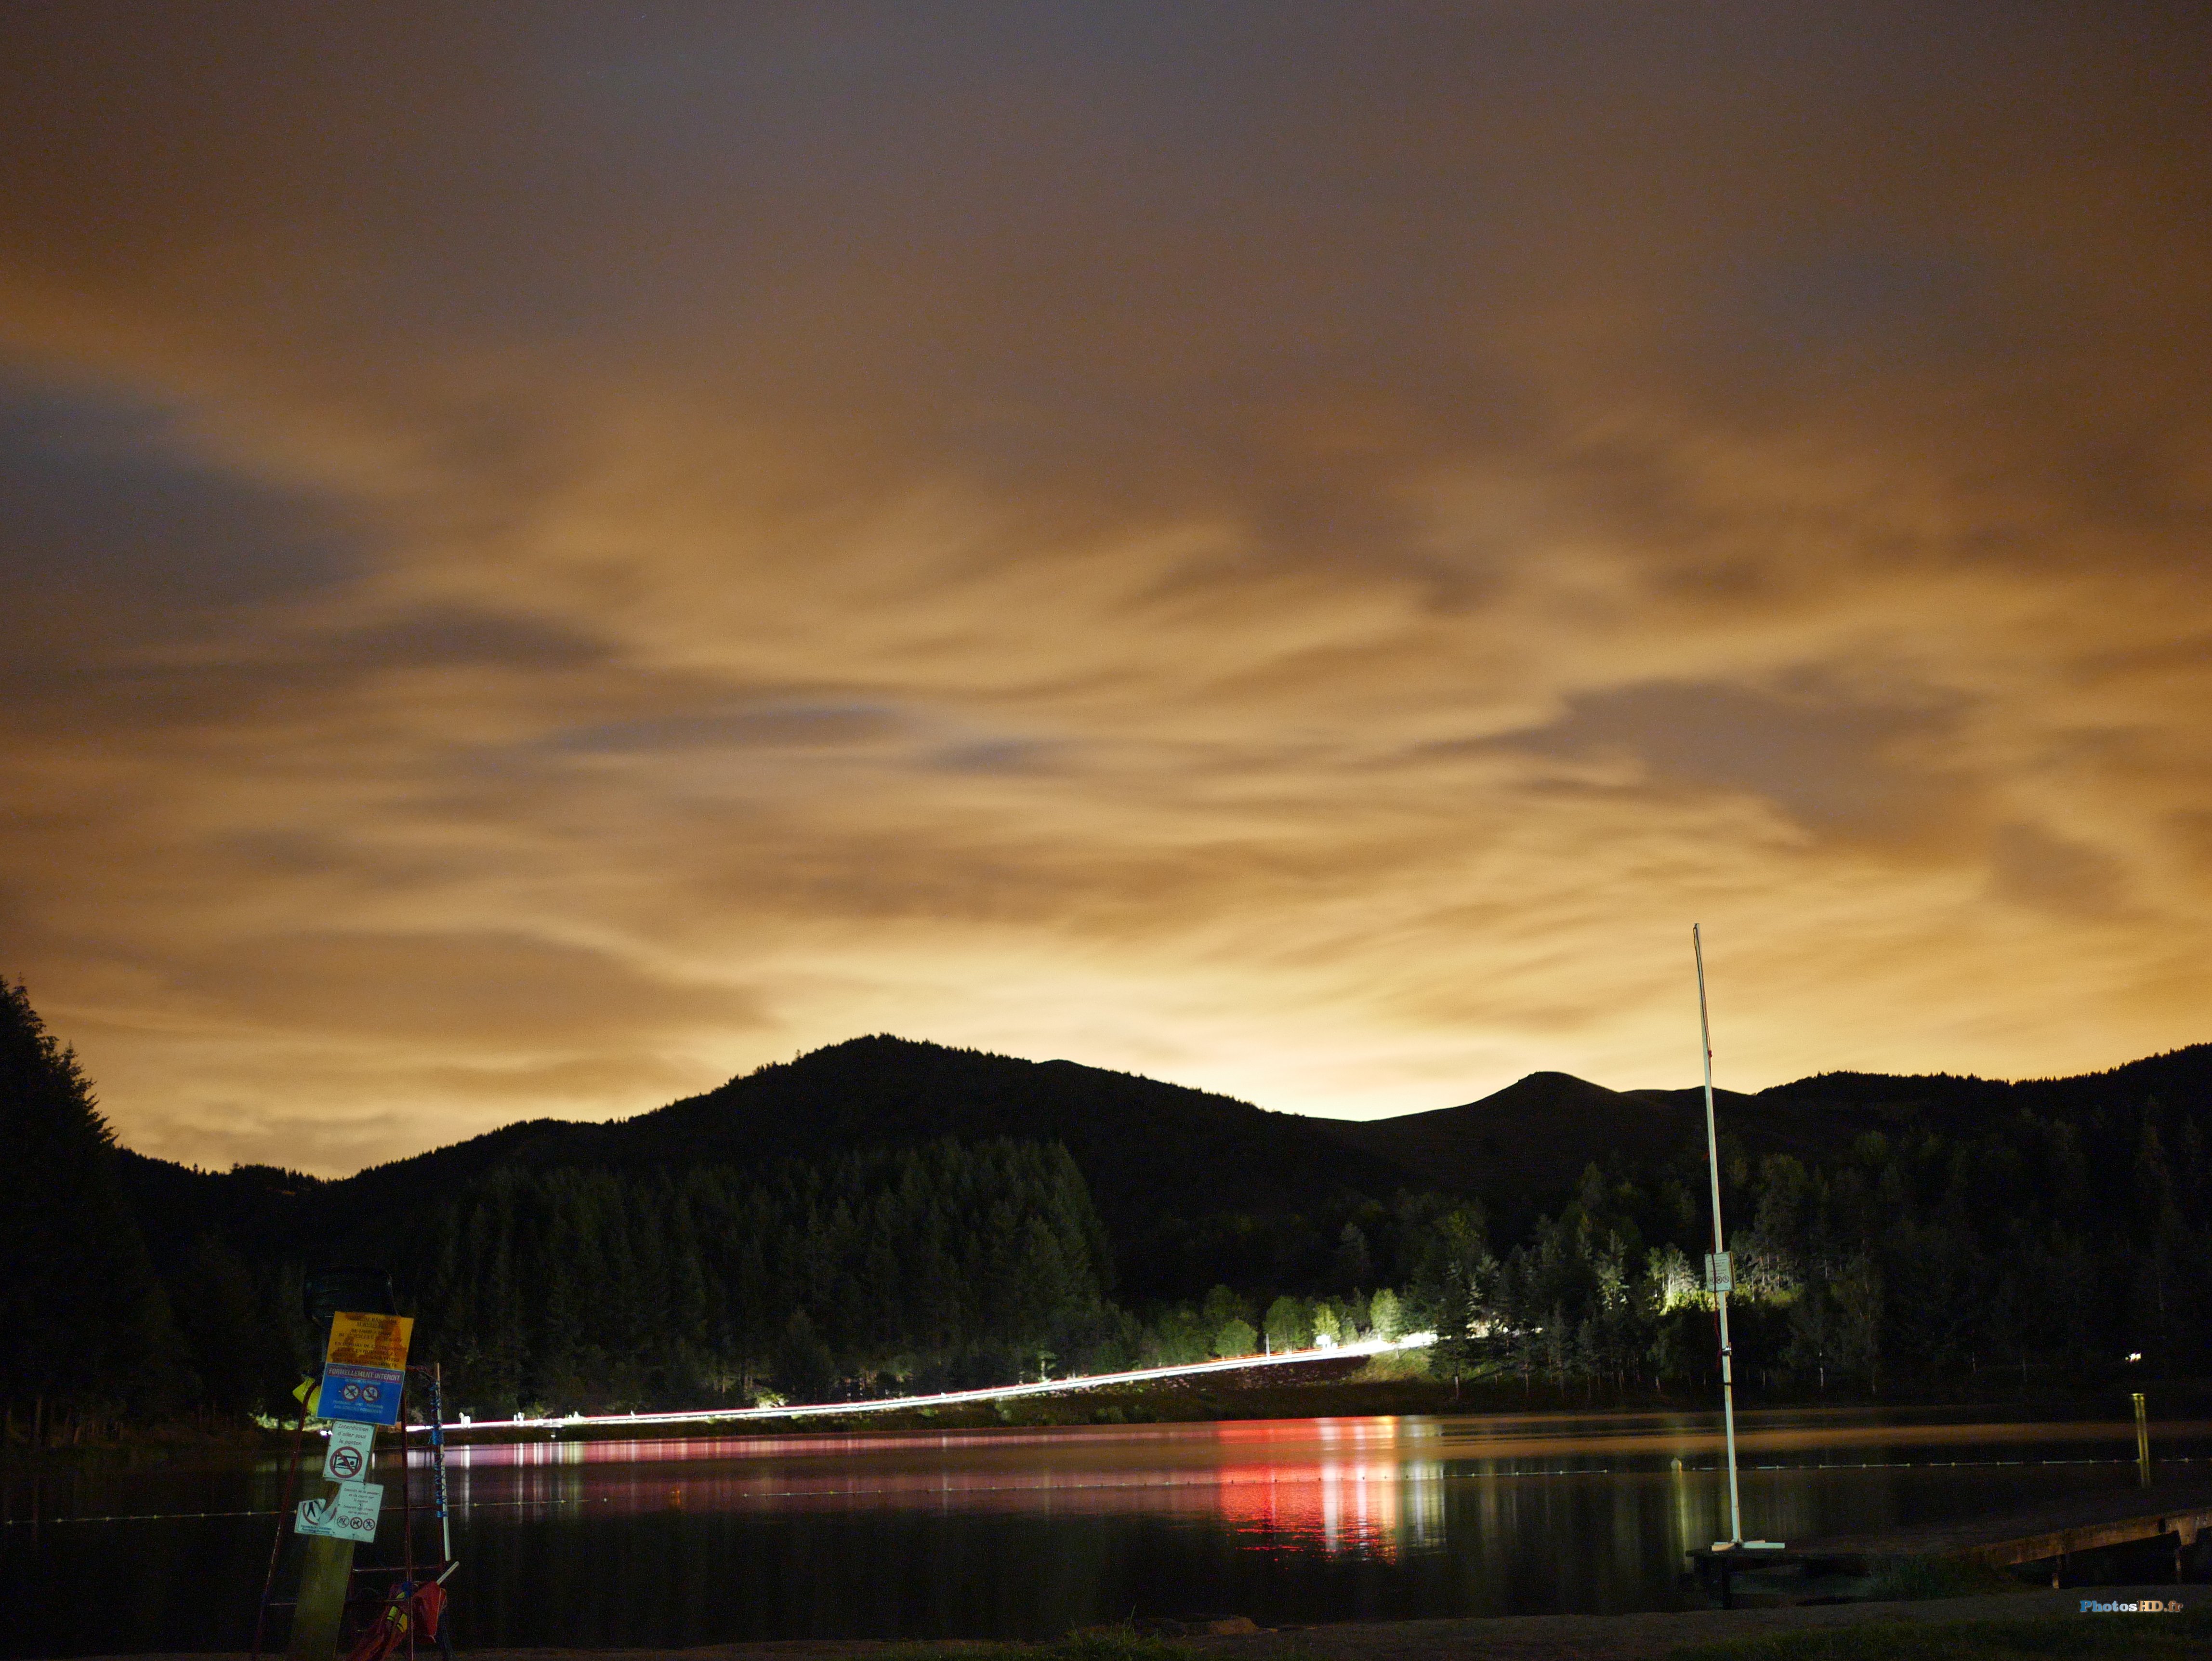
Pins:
<point x="561" y="555"/>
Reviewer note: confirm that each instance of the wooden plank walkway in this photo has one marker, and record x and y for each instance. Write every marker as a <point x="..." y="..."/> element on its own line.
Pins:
<point x="2049" y="1532"/>
<point x="2055" y="1528"/>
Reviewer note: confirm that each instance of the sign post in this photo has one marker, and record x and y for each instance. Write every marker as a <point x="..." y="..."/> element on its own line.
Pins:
<point x="364" y="1378"/>
<point x="2142" y="1440"/>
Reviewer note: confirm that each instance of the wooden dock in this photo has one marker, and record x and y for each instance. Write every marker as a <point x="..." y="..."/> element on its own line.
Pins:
<point x="2052" y="1532"/>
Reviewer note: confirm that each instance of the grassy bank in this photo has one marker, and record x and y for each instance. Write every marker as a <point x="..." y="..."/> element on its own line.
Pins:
<point x="2183" y="1637"/>
<point x="136" y="1447"/>
<point x="2059" y="1637"/>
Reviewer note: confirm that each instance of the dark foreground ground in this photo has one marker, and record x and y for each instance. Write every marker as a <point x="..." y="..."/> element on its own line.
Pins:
<point x="2047" y="1625"/>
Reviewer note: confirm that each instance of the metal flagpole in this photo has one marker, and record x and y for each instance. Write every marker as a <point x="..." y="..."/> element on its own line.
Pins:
<point x="1718" y="1274"/>
<point x="1722" y="1274"/>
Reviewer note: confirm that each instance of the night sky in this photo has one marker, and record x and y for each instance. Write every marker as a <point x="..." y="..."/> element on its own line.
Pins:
<point x="557" y="554"/>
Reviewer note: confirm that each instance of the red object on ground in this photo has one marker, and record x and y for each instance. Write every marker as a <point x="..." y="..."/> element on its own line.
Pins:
<point x="420" y="1606"/>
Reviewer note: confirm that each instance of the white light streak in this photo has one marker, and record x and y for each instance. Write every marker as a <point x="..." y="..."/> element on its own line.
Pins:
<point x="954" y="1397"/>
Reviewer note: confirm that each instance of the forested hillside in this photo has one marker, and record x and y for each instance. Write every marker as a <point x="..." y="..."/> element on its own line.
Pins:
<point x="950" y="1263"/>
<point x="1165" y="1165"/>
<point x="884" y="1216"/>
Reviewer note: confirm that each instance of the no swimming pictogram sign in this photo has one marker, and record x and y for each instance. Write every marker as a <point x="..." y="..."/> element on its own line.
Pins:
<point x="347" y="1459"/>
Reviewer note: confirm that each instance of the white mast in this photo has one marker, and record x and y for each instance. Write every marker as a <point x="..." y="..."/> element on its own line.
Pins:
<point x="1718" y="1272"/>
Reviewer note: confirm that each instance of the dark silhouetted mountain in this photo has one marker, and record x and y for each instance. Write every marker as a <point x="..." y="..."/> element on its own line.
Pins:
<point x="1147" y="1149"/>
<point x="1534" y="1138"/>
<point x="1156" y="1156"/>
<point x="1191" y="1186"/>
<point x="1949" y="1101"/>
<point x="1527" y="1143"/>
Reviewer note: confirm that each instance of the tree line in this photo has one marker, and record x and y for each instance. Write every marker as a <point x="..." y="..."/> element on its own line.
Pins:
<point x="96" y="1332"/>
<point x="2036" y="1248"/>
<point x="935" y="1265"/>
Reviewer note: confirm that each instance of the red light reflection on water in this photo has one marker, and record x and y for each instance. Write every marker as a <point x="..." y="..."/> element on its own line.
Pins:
<point x="1365" y="1500"/>
<point x="1342" y="1485"/>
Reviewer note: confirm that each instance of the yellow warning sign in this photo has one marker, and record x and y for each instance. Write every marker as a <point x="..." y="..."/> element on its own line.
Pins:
<point x="369" y="1340"/>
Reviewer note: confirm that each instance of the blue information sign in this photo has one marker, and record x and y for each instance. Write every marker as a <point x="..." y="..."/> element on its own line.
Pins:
<point x="368" y="1395"/>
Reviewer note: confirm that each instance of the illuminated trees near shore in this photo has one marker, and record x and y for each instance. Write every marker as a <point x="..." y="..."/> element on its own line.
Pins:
<point x="1289" y="1324"/>
<point x="1236" y="1337"/>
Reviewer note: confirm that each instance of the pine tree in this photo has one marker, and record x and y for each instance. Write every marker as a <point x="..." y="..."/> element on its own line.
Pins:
<point x="84" y="1325"/>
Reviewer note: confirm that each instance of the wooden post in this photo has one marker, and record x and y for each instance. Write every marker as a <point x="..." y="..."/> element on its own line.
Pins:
<point x="324" y="1576"/>
<point x="2142" y="1440"/>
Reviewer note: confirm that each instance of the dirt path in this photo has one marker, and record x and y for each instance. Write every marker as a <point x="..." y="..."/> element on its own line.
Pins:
<point x="1649" y="1637"/>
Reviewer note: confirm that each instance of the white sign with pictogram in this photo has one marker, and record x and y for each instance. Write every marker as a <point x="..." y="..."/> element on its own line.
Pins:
<point x="347" y="1459"/>
<point x="1720" y="1271"/>
<point x="349" y="1514"/>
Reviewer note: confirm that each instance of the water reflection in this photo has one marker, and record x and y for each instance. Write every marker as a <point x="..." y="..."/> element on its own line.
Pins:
<point x="1024" y="1534"/>
<point x="1335" y="1485"/>
<point x="1369" y="1486"/>
<point x="1359" y="1492"/>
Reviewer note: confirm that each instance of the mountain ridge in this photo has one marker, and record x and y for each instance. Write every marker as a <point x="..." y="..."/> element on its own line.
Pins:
<point x="1467" y="1148"/>
<point x="1178" y="1174"/>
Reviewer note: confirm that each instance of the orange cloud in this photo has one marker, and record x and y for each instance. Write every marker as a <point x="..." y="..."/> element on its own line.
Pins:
<point x="559" y="558"/>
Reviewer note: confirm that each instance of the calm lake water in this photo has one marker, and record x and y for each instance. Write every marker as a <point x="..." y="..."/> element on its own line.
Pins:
<point x="1026" y="1533"/>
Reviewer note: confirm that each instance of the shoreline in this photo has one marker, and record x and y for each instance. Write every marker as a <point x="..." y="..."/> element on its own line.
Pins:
<point x="1225" y="1396"/>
